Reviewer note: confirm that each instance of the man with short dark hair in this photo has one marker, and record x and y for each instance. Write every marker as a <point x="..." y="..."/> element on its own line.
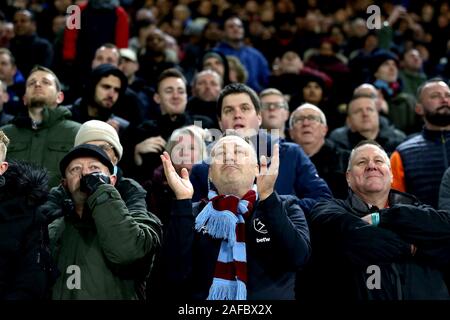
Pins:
<point x="44" y="133"/>
<point x="381" y="244"/>
<point x="239" y="108"/>
<point x="147" y="141"/>
<point x="253" y="60"/>
<point x="27" y="47"/>
<point x="411" y="71"/>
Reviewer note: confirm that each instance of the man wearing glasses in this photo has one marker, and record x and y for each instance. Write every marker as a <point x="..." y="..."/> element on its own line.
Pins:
<point x="308" y="128"/>
<point x="274" y="111"/>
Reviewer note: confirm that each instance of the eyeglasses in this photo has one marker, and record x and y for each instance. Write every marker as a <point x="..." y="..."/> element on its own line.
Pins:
<point x="105" y="146"/>
<point x="310" y="117"/>
<point x="275" y="105"/>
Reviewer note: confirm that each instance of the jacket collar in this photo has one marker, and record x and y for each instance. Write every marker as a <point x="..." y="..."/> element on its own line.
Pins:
<point x="49" y="117"/>
<point x="435" y="134"/>
<point x="361" y="208"/>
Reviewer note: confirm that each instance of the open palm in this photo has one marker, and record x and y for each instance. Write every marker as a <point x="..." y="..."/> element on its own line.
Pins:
<point x="268" y="175"/>
<point x="181" y="186"/>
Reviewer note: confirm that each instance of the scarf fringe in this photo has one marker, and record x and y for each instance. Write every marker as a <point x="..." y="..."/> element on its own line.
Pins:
<point x="220" y="224"/>
<point x="227" y="290"/>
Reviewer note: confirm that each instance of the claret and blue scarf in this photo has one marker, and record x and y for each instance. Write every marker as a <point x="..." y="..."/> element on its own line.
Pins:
<point x="224" y="218"/>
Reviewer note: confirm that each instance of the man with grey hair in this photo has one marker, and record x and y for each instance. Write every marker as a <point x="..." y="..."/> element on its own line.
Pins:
<point x="206" y="87"/>
<point x="308" y="128"/>
<point x="274" y="111"/>
<point x="383" y="244"/>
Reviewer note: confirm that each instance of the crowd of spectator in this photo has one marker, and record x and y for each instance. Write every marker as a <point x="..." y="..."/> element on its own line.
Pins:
<point x="124" y="104"/>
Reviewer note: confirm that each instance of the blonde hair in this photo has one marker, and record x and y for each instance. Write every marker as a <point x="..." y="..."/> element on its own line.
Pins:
<point x="199" y="135"/>
<point x="4" y="142"/>
<point x="236" y="65"/>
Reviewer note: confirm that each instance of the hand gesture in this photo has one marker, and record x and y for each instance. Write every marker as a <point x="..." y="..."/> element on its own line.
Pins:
<point x="268" y="175"/>
<point x="181" y="186"/>
<point x="114" y="123"/>
<point x="90" y="182"/>
<point x="153" y="144"/>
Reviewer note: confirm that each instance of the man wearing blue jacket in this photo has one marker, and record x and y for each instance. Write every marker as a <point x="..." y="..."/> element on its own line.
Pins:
<point x="238" y="108"/>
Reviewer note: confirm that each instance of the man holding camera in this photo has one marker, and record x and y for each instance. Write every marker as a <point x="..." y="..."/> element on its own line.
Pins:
<point x="99" y="246"/>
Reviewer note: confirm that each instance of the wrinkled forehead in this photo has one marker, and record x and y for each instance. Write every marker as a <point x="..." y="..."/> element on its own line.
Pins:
<point x="39" y="75"/>
<point x="369" y="151"/>
<point x="232" y="143"/>
<point x="84" y="161"/>
<point x="436" y="87"/>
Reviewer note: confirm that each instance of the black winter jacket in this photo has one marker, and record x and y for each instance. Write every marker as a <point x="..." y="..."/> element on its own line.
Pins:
<point x="23" y="188"/>
<point x="273" y="257"/>
<point x="346" y="249"/>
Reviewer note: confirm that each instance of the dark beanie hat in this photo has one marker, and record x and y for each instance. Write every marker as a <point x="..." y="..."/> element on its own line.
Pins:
<point x="85" y="150"/>
<point x="212" y="54"/>
<point x="305" y="78"/>
<point x="379" y="57"/>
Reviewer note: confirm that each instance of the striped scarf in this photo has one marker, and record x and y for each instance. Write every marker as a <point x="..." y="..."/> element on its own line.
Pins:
<point x="224" y="218"/>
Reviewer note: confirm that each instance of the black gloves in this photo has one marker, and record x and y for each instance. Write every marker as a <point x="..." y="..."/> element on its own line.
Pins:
<point x="90" y="182"/>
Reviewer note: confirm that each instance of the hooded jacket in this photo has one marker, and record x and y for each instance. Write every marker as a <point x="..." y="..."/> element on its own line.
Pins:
<point x="47" y="144"/>
<point x="127" y="105"/>
<point x="23" y="188"/>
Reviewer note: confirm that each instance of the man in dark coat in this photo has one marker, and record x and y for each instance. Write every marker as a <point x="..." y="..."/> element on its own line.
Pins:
<point x="27" y="47"/>
<point x="23" y="257"/>
<point x="379" y="244"/>
<point x="364" y="122"/>
<point x="247" y="242"/>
